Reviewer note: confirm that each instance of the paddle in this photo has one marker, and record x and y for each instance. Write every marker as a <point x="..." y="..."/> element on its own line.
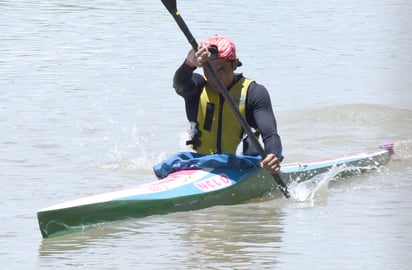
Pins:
<point x="172" y="8"/>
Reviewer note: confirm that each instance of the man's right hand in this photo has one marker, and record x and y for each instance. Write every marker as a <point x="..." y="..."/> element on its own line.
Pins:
<point x="197" y="59"/>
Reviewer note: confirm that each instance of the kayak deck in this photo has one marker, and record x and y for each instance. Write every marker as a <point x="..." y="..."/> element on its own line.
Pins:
<point x="354" y="164"/>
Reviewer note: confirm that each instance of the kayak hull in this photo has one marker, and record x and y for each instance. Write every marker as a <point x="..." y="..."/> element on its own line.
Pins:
<point x="191" y="189"/>
<point x="217" y="187"/>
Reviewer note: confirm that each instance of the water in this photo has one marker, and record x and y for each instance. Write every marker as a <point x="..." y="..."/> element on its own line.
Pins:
<point x="87" y="107"/>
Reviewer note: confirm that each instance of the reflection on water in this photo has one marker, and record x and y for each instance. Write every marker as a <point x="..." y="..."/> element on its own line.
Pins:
<point x="244" y="235"/>
<point x="231" y="235"/>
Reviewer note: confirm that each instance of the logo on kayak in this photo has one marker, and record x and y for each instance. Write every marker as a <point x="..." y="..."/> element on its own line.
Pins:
<point x="214" y="183"/>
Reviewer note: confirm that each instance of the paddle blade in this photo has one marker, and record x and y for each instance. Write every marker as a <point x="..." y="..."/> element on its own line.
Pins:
<point x="282" y="186"/>
<point x="170" y="5"/>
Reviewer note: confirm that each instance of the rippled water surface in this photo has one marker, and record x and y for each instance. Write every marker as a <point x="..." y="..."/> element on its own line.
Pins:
<point x="87" y="107"/>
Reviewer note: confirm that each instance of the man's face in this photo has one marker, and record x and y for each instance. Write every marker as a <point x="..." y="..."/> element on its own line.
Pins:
<point x="224" y="70"/>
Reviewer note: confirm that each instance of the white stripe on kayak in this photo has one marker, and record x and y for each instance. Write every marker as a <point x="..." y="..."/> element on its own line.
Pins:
<point x="174" y="180"/>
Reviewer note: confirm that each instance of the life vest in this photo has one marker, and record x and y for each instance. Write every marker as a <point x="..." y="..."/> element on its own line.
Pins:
<point x="219" y="129"/>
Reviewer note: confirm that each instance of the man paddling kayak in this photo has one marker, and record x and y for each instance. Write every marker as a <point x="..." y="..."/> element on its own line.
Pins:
<point x="213" y="124"/>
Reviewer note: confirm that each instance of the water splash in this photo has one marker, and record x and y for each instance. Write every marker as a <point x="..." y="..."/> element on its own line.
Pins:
<point x="315" y="189"/>
<point x="121" y="161"/>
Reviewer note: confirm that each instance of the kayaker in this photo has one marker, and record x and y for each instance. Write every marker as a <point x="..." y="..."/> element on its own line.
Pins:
<point x="214" y="128"/>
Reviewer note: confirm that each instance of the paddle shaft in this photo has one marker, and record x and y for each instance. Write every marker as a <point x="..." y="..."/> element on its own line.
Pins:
<point x="171" y="7"/>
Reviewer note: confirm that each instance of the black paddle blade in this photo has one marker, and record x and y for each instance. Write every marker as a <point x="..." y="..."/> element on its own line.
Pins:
<point x="170" y="5"/>
<point x="281" y="185"/>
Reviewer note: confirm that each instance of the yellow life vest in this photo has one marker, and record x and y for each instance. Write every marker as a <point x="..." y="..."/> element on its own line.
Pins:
<point x="220" y="131"/>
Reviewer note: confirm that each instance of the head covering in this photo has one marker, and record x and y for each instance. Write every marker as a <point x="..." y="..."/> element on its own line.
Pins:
<point x="222" y="47"/>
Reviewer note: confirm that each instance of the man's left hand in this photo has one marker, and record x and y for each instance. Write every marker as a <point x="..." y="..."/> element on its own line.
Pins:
<point x="271" y="163"/>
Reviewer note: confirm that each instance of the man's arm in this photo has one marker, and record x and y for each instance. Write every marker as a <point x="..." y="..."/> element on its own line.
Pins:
<point x="260" y="115"/>
<point x="189" y="85"/>
<point x="182" y="81"/>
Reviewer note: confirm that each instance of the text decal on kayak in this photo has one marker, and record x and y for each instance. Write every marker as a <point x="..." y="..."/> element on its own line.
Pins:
<point x="214" y="183"/>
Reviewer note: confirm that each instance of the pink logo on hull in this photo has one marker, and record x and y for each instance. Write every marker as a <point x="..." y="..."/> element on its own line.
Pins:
<point x="214" y="183"/>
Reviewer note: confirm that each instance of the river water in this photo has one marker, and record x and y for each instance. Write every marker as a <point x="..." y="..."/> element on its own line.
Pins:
<point x="87" y="107"/>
